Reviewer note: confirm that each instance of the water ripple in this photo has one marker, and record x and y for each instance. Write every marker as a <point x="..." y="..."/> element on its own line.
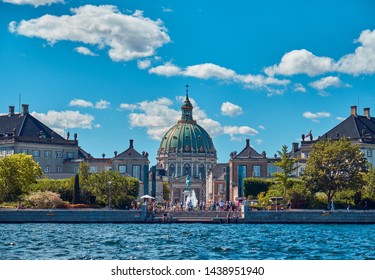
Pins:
<point x="186" y="241"/>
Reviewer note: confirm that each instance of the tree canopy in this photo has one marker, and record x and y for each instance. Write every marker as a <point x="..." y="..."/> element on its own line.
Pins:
<point x="17" y="171"/>
<point x="287" y="165"/>
<point x="334" y="165"/>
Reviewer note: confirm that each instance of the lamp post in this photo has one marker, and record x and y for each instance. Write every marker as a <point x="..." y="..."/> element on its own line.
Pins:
<point x="109" y="194"/>
<point x="103" y="155"/>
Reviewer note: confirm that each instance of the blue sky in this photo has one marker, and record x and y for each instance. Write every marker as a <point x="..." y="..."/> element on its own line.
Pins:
<point x="114" y="70"/>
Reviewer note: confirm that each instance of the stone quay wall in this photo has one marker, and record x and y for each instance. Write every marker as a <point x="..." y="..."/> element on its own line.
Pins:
<point x="139" y="216"/>
<point x="70" y="216"/>
<point x="309" y="217"/>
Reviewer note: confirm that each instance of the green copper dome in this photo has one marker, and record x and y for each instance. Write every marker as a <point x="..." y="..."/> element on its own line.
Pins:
<point x="187" y="137"/>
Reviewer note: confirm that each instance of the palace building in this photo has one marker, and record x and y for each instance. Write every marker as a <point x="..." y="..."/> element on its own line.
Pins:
<point x="186" y="149"/>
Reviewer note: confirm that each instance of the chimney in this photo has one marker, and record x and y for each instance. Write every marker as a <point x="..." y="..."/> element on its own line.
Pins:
<point x="366" y="112"/>
<point x="353" y="111"/>
<point x="11" y="111"/>
<point x="294" y="147"/>
<point x="25" y="109"/>
<point x="131" y="143"/>
<point x="247" y="143"/>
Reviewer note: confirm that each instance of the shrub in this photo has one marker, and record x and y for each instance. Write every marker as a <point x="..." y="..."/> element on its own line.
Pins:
<point x="44" y="200"/>
<point x="254" y="186"/>
<point x="64" y="187"/>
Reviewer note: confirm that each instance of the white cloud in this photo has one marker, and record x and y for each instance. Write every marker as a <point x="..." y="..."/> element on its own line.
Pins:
<point x="230" y="109"/>
<point x="59" y="121"/>
<point x="130" y="107"/>
<point x="159" y="115"/>
<point x="317" y="115"/>
<point x="301" y="62"/>
<point x="143" y="64"/>
<point x="102" y="104"/>
<point x="239" y="130"/>
<point x="85" y="51"/>
<point x="326" y="82"/>
<point x="213" y="71"/>
<point x="340" y="119"/>
<point x="128" y="37"/>
<point x="362" y="61"/>
<point x="259" y="141"/>
<point x="167" y="10"/>
<point x="168" y="69"/>
<point x="299" y="88"/>
<point x="80" y="103"/>
<point x="35" y="3"/>
<point x="262" y="127"/>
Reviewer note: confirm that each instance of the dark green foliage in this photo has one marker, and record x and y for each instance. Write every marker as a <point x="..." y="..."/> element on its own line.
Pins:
<point x="254" y="186"/>
<point x="76" y="192"/>
<point x="64" y="187"/>
<point x="166" y="191"/>
<point x="335" y="165"/>
<point x="122" y="190"/>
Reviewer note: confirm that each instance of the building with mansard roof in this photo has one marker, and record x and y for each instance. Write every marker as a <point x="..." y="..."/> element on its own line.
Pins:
<point x="23" y="133"/>
<point x="186" y="149"/>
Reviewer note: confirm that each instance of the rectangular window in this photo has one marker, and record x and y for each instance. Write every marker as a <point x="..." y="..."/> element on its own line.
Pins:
<point x="59" y="169"/>
<point x="70" y="155"/>
<point x="47" y="153"/>
<point x="9" y="152"/>
<point x="47" y="169"/>
<point x="24" y="151"/>
<point x="122" y="169"/>
<point x="107" y="168"/>
<point x="59" y="154"/>
<point x="36" y="153"/>
<point x="270" y="171"/>
<point x="369" y="153"/>
<point x="93" y="169"/>
<point x="137" y="171"/>
<point x="256" y="171"/>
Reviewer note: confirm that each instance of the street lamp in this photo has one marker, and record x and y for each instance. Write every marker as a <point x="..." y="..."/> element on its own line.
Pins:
<point x="109" y="194"/>
<point x="103" y="156"/>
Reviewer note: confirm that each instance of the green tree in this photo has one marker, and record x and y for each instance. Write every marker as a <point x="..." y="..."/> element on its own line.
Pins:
<point x="112" y="188"/>
<point x="166" y="191"/>
<point x="334" y="165"/>
<point x="287" y="165"/>
<point x="17" y="171"/>
<point x="76" y="191"/>
<point x="369" y="187"/>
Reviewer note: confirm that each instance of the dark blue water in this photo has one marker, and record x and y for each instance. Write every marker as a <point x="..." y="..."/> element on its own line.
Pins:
<point x="186" y="241"/>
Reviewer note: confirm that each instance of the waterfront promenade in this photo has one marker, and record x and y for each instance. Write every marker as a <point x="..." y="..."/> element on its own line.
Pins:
<point x="214" y="217"/>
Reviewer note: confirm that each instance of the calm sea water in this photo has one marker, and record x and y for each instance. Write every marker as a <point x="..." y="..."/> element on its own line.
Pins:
<point x="185" y="241"/>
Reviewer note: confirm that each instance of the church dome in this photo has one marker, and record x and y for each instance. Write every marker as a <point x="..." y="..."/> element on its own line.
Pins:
<point x="187" y="138"/>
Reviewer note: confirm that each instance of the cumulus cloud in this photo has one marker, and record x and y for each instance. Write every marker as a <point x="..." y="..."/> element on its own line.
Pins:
<point x="102" y="104"/>
<point x="317" y="115"/>
<point x="85" y="51"/>
<point x="299" y="88"/>
<point x="35" y="3"/>
<point x="80" y="103"/>
<point x="159" y="115"/>
<point x="213" y="71"/>
<point x="362" y="61"/>
<point x="143" y="64"/>
<point x="168" y="69"/>
<point x="340" y="119"/>
<point x="326" y="82"/>
<point x="261" y="127"/>
<point x="125" y="106"/>
<point x="59" y="121"/>
<point x="301" y="62"/>
<point x="128" y="37"/>
<point x="230" y="109"/>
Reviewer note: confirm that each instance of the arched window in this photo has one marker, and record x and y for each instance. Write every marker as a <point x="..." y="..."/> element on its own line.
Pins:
<point x="201" y="172"/>
<point x="187" y="169"/>
<point x="172" y="170"/>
